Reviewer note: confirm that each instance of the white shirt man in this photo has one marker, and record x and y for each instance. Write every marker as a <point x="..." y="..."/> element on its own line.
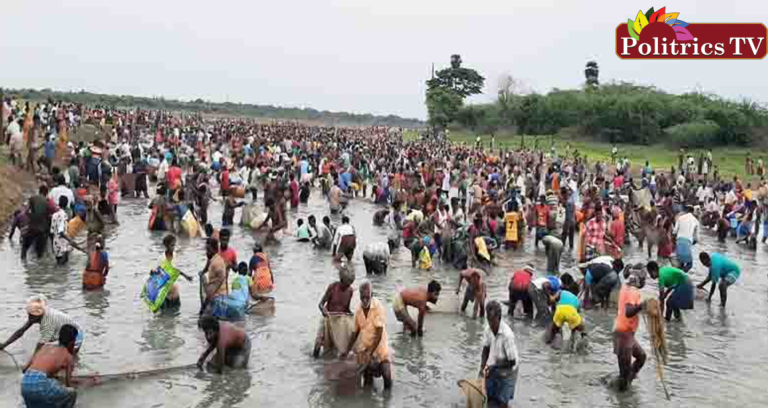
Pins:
<point x="16" y="137"/>
<point x="687" y="226"/>
<point x="701" y="194"/>
<point x="162" y="169"/>
<point x="712" y="207"/>
<point x="502" y="345"/>
<point x="60" y="191"/>
<point x="446" y="180"/>
<point x="342" y="231"/>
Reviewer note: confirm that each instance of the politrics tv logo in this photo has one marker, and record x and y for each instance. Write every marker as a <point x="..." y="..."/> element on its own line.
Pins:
<point x="662" y="35"/>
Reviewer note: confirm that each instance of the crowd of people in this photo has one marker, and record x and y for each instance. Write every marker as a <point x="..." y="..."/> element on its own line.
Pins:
<point x="440" y="201"/>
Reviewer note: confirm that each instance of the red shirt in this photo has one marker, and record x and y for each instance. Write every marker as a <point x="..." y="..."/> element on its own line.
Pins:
<point x="542" y="215"/>
<point x="409" y="230"/>
<point x="225" y="180"/>
<point x="173" y="175"/>
<point x="618" y="182"/>
<point x="617" y="232"/>
<point x="521" y="280"/>
<point x="294" y="194"/>
<point x="230" y="256"/>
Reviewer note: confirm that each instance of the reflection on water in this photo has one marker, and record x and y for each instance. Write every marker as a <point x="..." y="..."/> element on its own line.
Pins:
<point x="717" y="356"/>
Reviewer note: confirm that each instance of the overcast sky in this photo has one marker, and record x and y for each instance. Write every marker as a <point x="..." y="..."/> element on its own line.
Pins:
<point x="344" y="55"/>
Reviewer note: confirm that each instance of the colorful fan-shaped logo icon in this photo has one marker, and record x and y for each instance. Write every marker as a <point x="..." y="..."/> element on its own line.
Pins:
<point x="661" y="16"/>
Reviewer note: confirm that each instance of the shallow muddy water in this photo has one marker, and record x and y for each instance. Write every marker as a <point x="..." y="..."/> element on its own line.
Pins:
<point x="718" y="357"/>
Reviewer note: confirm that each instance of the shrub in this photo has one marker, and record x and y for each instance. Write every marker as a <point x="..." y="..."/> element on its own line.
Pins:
<point x="693" y="134"/>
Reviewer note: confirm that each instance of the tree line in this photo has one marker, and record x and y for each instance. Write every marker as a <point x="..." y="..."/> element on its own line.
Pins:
<point x="225" y="108"/>
<point x="617" y="112"/>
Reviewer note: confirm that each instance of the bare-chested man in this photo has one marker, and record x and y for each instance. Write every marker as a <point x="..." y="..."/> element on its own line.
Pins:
<point x="418" y="298"/>
<point x="475" y="291"/>
<point x="38" y="387"/>
<point x="232" y="345"/>
<point x="276" y="215"/>
<point x="336" y="301"/>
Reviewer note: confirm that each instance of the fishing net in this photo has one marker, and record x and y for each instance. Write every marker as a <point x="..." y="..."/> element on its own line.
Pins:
<point x="344" y="370"/>
<point x="336" y="332"/>
<point x="91" y="380"/>
<point x="655" y="323"/>
<point x="249" y="214"/>
<point x="474" y="390"/>
<point x="8" y="362"/>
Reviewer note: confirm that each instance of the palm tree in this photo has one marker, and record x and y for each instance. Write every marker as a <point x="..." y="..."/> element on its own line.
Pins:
<point x="455" y="61"/>
<point x="591" y="73"/>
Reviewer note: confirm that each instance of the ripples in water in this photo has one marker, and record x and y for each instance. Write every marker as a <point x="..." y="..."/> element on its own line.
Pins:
<point x="717" y="357"/>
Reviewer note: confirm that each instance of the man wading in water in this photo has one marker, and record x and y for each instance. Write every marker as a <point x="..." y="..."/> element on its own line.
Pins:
<point x="372" y="354"/>
<point x="335" y="301"/>
<point x="276" y="215"/>
<point x="625" y="346"/>
<point x="498" y="365"/>
<point x="475" y="291"/>
<point x="345" y="241"/>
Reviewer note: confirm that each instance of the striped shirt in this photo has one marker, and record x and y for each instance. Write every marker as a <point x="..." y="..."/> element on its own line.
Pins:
<point x="52" y="322"/>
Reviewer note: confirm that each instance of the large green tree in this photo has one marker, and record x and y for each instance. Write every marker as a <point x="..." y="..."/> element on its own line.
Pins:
<point x="447" y="89"/>
<point x="463" y="81"/>
<point x="443" y="105"/>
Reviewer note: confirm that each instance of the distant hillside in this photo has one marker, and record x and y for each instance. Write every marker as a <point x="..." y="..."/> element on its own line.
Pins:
<point x="226" y="108"/>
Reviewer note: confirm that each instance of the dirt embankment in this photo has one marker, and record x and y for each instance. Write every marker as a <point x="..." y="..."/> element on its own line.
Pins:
<point x="13" y="184"/>
<point x="17" y="184"/>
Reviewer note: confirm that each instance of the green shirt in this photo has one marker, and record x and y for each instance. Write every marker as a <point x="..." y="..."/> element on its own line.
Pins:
<point x="670" y="277"/>
<point x="242" y="282"/>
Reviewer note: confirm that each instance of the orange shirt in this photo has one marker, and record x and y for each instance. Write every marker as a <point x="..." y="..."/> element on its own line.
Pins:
<point x="629" y="295"/>
<point x="556" y="183"/>
<point x="366" y="327"/>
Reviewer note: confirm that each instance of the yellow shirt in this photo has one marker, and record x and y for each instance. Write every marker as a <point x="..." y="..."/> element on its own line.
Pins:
<point x="366" y="327"/>
<point x="511" y="219"/>
<point x="748" y="194"/>
<point x="425" y="259"/>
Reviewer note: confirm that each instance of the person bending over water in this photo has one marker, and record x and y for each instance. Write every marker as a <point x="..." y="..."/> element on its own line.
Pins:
<point x="418" y="298"/>
<point x="566" y="312"/>
<point x="475" y="291"/>
<point x="38" y="386"/>
<point x="721" y="269"/>
<point x="232" y="345"/>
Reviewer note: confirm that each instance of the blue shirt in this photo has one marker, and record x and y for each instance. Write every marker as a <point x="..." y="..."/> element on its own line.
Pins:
<point x="568" y="298"/>
<point x="303" y="232"/>
<point x="50" y="149"/>
<point x="345" y="179"/>
<point x="721" y="267"/>
<point x="240" y="293"/>
<point x="304" y="165"/>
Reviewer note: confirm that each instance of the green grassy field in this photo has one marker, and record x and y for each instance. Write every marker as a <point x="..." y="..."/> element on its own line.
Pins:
<point x="729" y="160"/>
